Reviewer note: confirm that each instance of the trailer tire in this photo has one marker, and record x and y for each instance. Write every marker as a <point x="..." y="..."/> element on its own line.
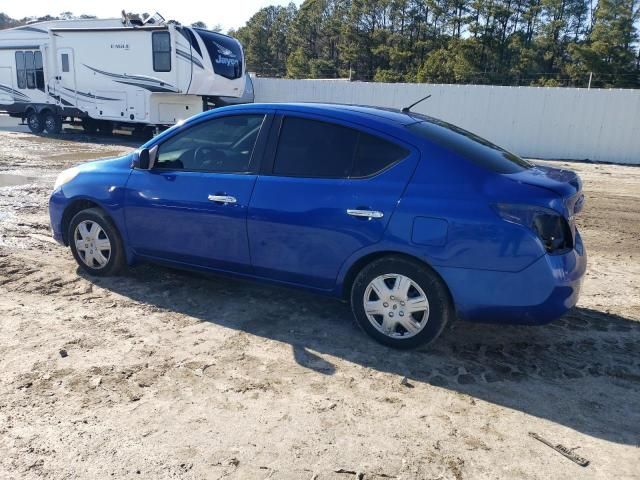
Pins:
<point x="90" y="126"/>
<point x="105" y="127"/>
<point x="35" y="122"/>
<point x="52" y="123"/>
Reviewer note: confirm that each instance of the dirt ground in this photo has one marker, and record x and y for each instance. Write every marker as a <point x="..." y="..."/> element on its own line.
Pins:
<point x="175" y="375"/>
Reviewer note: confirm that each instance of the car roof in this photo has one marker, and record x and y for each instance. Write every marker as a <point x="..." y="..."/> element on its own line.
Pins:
<point x="354" y="112"/>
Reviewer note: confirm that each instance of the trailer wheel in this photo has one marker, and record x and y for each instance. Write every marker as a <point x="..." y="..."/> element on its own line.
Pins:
<point x="142" y="132"/>
<point x="35" y="122"/>
<point x="105" y="127"/>
<point x="52" y="123"/>
<point x="90" y="126"/>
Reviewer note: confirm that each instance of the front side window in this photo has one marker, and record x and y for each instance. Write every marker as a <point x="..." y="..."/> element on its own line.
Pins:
<point x="223" y="145"/>
<point x="29" y="70"/>
<point x="315" y="149"/>
<point x="161" y="43"/>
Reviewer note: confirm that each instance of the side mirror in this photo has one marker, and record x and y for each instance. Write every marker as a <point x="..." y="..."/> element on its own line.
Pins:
<point x="143" y="159"/>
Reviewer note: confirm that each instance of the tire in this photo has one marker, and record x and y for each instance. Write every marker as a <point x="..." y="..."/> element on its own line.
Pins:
<point x="426" y="294"/>
<point x="105" y="127"/>
<point x="52" y="123"/>
<point x="35" y="122"/>
<point x="90" y="126"/>
<point x="86" y="257"/>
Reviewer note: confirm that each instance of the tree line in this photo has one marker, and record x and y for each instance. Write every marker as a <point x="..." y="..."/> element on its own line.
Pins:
<point x="491" y="42"/>
<point x="496" y="42"/>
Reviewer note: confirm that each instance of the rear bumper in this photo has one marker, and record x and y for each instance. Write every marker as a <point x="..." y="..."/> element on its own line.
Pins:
<point x="536" y="295"/>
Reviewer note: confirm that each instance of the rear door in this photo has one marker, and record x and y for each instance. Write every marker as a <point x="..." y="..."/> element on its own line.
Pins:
<point x="328" y="191"/>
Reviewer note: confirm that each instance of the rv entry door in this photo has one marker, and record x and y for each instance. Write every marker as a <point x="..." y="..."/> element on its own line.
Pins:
<point x="66" y="78"/>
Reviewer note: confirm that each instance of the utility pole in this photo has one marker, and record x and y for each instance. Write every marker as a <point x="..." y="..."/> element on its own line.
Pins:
<point x="590" y="77"/>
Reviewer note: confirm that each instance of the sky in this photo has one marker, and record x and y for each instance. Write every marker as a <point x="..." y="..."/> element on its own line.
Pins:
<point x="229" y="14"/>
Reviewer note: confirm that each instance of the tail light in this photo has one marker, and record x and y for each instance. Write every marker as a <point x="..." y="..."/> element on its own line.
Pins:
<point x="552" y="228"/>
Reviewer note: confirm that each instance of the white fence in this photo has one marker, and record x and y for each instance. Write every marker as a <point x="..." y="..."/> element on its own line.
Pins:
<point x="552" y="123"/>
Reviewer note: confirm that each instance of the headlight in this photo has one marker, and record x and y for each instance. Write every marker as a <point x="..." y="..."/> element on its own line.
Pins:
<point x="65" y="177"/>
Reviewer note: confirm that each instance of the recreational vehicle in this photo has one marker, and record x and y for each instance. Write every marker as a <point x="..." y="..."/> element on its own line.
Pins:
<point x="116" y="72"/>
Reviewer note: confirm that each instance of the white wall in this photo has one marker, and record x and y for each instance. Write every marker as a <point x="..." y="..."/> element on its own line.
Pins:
<point x="553" y="123"/>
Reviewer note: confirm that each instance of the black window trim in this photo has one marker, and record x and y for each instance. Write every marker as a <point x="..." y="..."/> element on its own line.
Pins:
<point x="153" y="50"/>
<point x="257" y="156"/>
<point x="268" y="163"/>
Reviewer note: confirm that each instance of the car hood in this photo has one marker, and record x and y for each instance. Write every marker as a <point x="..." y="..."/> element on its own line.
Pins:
<point x="565" y="183"/>
<point x="107" y="164"/>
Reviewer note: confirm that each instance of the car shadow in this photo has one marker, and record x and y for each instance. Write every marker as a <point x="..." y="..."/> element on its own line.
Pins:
<point x="588" y="359"/>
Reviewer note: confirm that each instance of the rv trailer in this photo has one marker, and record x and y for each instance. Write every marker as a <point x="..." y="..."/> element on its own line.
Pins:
<point x="116" y="72"/>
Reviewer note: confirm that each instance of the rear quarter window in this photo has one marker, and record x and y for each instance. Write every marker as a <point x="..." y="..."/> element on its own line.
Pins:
<point x="468" y="145"/>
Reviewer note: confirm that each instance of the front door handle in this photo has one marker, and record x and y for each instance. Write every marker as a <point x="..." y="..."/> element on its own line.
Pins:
<point x="354" y="212"/>
<point x="222" y="198"/>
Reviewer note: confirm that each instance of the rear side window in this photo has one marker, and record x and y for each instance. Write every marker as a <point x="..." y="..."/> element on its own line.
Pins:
<point x="161" y="51"/>
<point x="375" y="154"/>
<point x="468" y="145"/>
<point x="316" y="149"/>
<point x="308" y="148"/>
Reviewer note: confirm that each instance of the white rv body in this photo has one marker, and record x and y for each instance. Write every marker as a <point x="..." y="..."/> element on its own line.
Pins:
<point x="109" y="71"/>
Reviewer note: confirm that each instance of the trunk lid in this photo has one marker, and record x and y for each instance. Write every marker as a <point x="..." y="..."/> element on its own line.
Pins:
<point x="565" y="183"/>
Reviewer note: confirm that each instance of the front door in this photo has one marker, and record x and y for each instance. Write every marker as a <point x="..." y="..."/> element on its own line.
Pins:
<point x="191" y="207"/>
<point x="330" y="192"/>
<point x="65" y="84"/>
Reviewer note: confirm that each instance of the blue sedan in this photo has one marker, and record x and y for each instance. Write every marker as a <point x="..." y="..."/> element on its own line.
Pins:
<point x="411" y="219"/>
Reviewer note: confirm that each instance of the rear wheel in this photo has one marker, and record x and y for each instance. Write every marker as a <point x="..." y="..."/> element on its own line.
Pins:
<point x="52" y="123"/>
<point x="35" y="122"/>
<point x="95" y="243"/>
<point x="400" y="302"/>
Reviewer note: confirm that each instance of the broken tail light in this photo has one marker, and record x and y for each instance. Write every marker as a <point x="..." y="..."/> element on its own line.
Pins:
<point x="551" y="227"/>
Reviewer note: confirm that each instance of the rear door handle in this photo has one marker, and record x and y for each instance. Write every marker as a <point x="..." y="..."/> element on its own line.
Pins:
<point x="222" y="198"/>
<point x="365" y="213"/>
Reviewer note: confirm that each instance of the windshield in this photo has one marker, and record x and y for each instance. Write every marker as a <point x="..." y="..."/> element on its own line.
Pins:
<point x="225" y="53"/>
<point x="468" y="145"/>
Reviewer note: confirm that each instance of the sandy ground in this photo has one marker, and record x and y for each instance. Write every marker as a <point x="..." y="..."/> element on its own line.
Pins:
<point x="174" y="375"/>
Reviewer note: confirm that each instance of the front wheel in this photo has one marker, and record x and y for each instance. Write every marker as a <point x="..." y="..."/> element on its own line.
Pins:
<point x="95" y="243"/>
<point x="400" y="302"/>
